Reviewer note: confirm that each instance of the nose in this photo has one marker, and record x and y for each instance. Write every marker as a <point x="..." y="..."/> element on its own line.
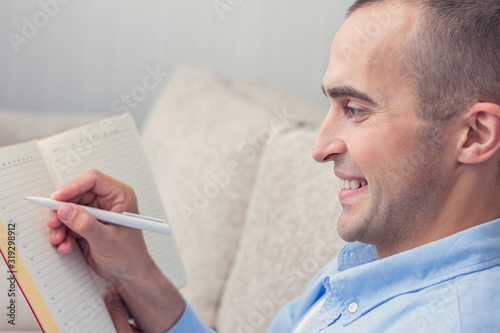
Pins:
<point x="328" y="143"/>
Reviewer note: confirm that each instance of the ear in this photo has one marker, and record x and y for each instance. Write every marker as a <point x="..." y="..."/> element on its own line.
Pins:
<point x="483" y="137"/>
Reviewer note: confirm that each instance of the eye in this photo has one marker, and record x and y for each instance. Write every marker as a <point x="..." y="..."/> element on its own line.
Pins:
<point x="351" y="112"/>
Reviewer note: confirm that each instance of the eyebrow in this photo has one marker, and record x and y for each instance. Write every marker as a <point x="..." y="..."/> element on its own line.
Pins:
<point x="347" y="91"/>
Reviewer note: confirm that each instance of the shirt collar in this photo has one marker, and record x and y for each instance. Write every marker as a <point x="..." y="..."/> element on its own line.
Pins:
<point x="368" y="282"/>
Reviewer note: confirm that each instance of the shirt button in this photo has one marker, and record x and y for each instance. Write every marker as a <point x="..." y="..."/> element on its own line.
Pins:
<point x="353" y="307"/>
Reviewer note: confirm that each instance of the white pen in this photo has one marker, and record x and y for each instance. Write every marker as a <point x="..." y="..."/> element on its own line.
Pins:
<point x="126" y="219"/>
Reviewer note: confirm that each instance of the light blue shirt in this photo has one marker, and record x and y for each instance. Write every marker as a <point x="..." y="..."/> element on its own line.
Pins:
<point x="450" y="285"/>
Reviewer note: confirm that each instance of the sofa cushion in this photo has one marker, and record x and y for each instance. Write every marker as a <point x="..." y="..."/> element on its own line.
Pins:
<point x="204" y="142"/>
<point x="289" y="235"/>
<point x="299" y="111"/>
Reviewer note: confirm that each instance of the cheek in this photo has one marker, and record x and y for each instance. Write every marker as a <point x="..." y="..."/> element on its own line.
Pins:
<point x="371" y="150"/>
<point x="386" y="158"/>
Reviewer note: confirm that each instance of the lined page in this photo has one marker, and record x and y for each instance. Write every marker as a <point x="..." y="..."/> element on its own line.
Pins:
<point x="114" y="147"/>
<point x="65" y="282"/>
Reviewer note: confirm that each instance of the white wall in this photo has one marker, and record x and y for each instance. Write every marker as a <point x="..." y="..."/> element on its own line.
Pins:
<point x="91" y="51"/>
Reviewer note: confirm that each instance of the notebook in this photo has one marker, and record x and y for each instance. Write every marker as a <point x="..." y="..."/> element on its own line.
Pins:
<point x="62" y="291"/>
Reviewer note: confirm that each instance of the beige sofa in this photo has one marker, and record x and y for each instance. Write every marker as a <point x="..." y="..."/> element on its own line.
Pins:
<point x="253" y="214"/>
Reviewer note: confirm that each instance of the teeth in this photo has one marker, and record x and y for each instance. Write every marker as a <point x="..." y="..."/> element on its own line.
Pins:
<point x="346" y="184"/>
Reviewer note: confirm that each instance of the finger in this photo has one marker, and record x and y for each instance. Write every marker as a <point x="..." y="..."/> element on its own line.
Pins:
<point x="87" y="199"/>
<point x="68" y="242"/>
<point x="80" y="222"/>
<point x="117" y="311"/>
<point x="57" y="235"/>
<point x="94" y="188"/>
<point x="90" y="180"/>
<point x="53" y="221"/>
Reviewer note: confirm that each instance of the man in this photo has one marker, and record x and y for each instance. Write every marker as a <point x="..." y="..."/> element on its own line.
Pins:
<point x="414" y="133"/>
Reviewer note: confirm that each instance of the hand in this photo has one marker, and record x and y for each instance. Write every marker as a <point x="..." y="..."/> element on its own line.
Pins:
<point x="118" y="313"/>
<point x="116" y="253"/>
<point x="99" y="241"/>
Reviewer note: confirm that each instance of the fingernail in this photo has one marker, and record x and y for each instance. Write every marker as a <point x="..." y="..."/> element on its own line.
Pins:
<point x="66" y="212"/>
<point x="116" y="294"/>
<point x="51" y="215"/>
<point x="108" y="297"/>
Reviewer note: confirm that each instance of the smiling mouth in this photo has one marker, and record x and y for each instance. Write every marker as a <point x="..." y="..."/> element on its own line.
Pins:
<point x="346" y="184"/>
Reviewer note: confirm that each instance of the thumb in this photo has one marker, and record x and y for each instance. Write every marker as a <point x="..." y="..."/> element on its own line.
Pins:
<point x="80" y="221"/>
<point x="118" y="312"/>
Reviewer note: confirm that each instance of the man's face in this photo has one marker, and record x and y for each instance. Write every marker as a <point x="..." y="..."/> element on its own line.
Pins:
<point x="392" y="160"/>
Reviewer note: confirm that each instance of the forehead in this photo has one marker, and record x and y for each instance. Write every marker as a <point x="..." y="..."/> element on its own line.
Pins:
<point x="367" y="50"/>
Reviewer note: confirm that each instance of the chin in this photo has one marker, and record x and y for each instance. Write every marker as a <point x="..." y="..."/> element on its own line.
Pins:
<point x="348" y="229"/>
